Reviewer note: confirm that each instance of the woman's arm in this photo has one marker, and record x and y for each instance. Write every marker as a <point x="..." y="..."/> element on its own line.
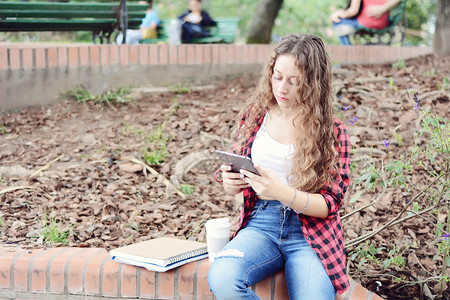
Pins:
<point x="350" y="12"/>
<point x="377" y="11"/>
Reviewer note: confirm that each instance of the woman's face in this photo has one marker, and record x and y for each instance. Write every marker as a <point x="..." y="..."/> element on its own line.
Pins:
<point x="285" y="81"/>
<point x="195" y="6"/>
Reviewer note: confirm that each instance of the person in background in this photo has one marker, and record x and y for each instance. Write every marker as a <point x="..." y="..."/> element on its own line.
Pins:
<point x="290" y="215"/>
<point x="147" y="29"/>
<point x="191" y="24"/>
<point x="373" y="14"/>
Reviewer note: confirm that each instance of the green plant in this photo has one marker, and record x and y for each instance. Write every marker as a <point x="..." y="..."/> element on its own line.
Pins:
<point x="181" y="88"/>
<point x="395" y="258"/>
<point x="400" y="64"/>
<point x="155" y="157"/>
<point x="2" y="222"/>
<point x="392" y="84"/>
<point x="364" y="253"/>
<point x="115" y="96"/>
<point x="445" y="84"/>
<point x="187" y="188"/>
<point x="3" y="129"/>
<point x="134" y="225"/>
<point x="53" y="233"/>
<point x="429" y="152"/>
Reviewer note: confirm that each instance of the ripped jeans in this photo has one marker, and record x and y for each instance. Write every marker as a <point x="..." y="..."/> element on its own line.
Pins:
<point x="271" y="240"/>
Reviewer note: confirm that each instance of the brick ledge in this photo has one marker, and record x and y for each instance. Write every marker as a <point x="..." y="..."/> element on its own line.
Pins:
<point x="90" y="272"/>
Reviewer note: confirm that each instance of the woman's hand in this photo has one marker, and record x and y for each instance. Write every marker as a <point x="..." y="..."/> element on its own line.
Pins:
<point x="265" y="185"/>
<point x="337" y="15"/>
<point x="232" y="181"/>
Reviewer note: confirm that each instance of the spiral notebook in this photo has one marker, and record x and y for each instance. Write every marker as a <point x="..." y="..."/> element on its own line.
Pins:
<point x="162" y="251"/>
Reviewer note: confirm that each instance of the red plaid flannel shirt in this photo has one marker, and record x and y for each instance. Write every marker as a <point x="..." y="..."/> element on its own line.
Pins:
<point x="325" y="236"/>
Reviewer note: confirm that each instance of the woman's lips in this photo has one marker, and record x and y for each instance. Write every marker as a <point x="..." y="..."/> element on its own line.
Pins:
<point x="282" y="98"/>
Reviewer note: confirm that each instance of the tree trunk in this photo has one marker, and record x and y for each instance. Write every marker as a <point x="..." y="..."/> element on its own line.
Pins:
<point x="441" y="38"/>
<point x="262" y="22"/>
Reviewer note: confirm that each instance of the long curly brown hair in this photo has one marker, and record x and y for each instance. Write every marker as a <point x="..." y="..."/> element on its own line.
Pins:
<point x="315" y="157"/>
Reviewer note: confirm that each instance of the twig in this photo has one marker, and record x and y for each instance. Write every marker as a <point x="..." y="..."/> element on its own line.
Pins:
<point x="46" y="166"/>
<point x="395" y="220"/>
<point x="154" y="172"/>
<point x="15" y="188"/>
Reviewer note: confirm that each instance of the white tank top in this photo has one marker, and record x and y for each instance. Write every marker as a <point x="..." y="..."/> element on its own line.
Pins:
<point x="269" y="153"/>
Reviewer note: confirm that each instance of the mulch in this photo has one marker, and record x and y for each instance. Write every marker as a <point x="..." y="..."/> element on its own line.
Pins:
<point x="81" y="166"/>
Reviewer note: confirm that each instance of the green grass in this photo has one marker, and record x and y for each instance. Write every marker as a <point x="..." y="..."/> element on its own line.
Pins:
<point x="114" y="96"/>
<point x="53" y="233"/>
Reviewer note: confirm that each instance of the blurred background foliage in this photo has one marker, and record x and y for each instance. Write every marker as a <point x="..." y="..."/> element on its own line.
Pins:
<point x="311" y="16"/>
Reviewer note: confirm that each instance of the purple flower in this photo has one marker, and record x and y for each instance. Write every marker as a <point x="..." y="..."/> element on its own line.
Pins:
<point x="346" y="107"/>
<point x="417" y="105"/>
<point x="386" y="142"/>
<point x="445" y="236"/>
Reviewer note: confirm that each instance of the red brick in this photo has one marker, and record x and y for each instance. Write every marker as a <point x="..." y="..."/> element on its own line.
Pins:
<point x="163" y="54"/>
<point x="4" y="59"/>
<point x="92" y="273"/>
<point x="114" y="54"/>
<point x="52" y="55"/>
<point x="223" y="54"/>
<point x="375" y="297"/>
<point x="134" y="54"/>
<point x="38" y="269"/>
<point x="252" y="54"/>
<point x="359" y="292"/>
<point x="6" y="259"/>
<point x="281" y="291"/>
<point x="264" y="288"/>
<point x="260" y="53"/>
<point x="182" y="53"/>
<point x="84" y="56"/>
<point x="94" y="53"/>
<point x="40" y="58"/>
<point x="245" y="54"/>
<point x="173" y="54"/>
<point x="153" y="51"/>
<point x="143" y="54"/>
<point x="73" y="57"/>
<point x="203" y="291"/>
<point x="190" y="54"/>
<point x="215" y="54"/>
<point x="147" y="283"/>
<point x="186" y="281"/>
<point x="14" y="58"/>
<point x="166" y="284"/>
<point x="198" y="54"/>
<point x="75" y="269"/>
<point x="27" y="58"/>
<point x="207" y="54"/>
<point x="57" y="268"/>
<point x="124" y="55"/>
<point x="62" y="57"/>
<point x="128" y="281"/>
<point x="231" y="53"/>
<point x="109" y="277"/>
<point x="104" y="55"/>
<point x="238" y="54"/>
<point x="21" y="270"/>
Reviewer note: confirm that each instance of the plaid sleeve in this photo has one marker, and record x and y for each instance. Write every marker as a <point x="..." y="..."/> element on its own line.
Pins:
<point x="334" y="190"/>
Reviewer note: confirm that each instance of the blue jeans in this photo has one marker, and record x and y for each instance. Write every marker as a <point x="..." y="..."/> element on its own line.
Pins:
<point x="350" y="22"/>
<point x="271" y="240"/>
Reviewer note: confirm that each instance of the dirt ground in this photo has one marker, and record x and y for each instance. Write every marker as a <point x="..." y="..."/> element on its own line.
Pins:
<point x="80" y="166"/>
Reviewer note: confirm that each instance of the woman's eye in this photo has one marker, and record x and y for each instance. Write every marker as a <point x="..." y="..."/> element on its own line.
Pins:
<point x="277" y="78"/>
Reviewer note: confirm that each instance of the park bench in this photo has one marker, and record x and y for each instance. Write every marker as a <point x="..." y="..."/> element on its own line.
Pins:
<point x="395" y="32"/>
<point x="224" y="32"/>
<point x="102" y="17"/>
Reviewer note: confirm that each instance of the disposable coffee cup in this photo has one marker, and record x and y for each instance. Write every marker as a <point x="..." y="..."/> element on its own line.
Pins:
<point x="217" y="236"/>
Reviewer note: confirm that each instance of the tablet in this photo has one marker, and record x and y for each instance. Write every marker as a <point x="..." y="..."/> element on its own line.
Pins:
<point x="237" y="162"/>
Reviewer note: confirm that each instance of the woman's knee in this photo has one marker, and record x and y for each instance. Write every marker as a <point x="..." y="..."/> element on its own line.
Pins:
<point x="225" y="277"/>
